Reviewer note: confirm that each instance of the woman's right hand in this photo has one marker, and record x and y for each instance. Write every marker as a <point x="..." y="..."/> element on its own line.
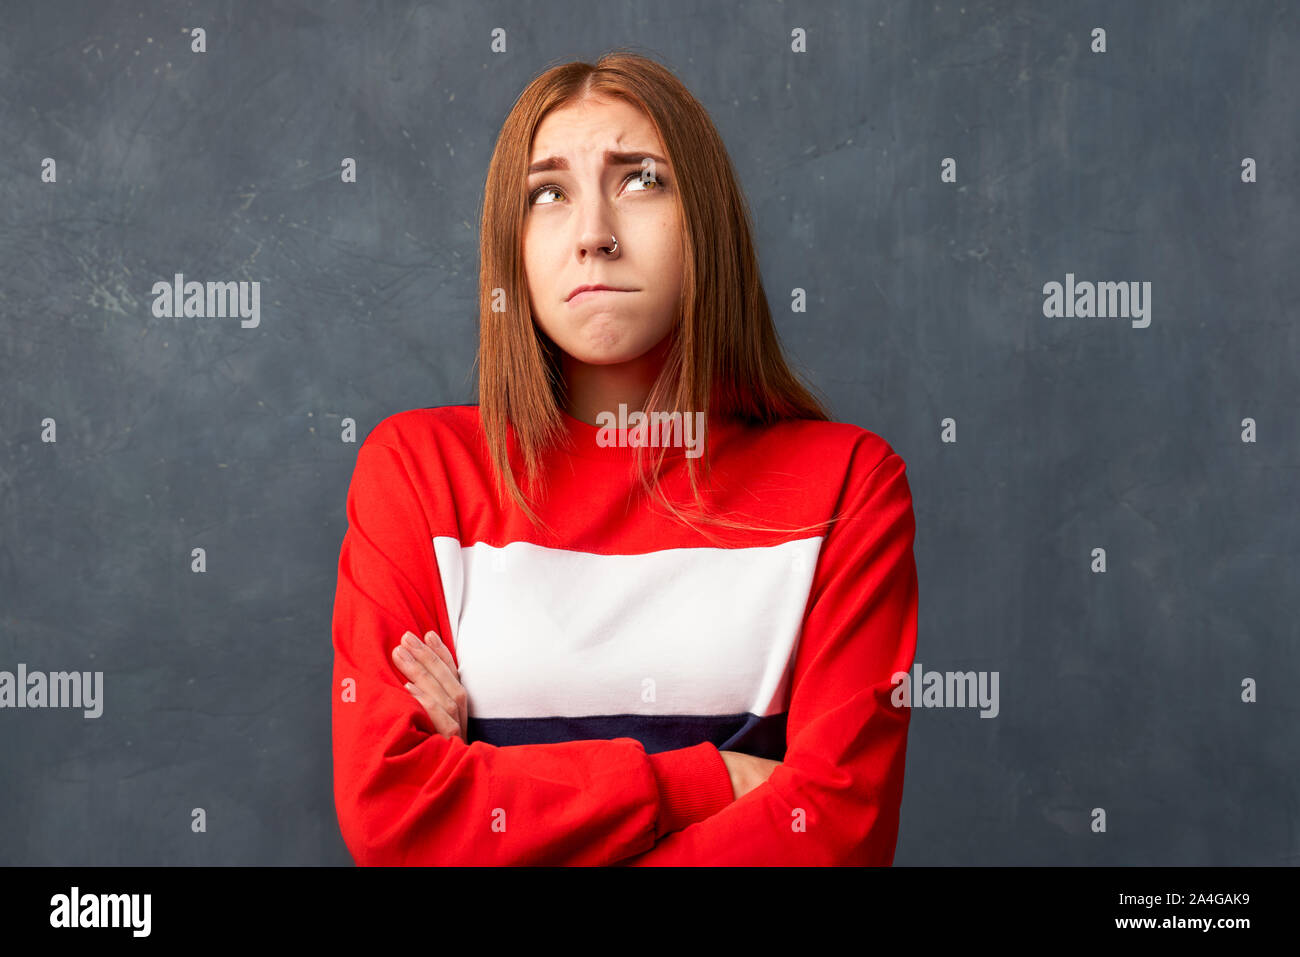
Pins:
<point x="434" y="681"/>
<point x="747" y="771"/>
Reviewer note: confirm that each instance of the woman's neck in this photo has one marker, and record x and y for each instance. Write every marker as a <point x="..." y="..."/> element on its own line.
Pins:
<point x="593" y="389"/>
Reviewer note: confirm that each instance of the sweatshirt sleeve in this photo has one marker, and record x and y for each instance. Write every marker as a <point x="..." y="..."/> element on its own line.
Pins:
<point x="835" y="798"/>
<point x="405" y="794"/>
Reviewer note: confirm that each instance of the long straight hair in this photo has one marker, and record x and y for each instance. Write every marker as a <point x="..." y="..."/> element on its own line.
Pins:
<point x="724" y="355"/>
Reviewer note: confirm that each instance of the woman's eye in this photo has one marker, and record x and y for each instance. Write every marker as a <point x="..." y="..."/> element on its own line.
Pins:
<point x="650" y="184"/>
<point x="532" y="199"/>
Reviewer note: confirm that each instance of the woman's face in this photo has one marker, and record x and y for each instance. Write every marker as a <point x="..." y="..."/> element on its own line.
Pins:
<point x="583" y="198"/>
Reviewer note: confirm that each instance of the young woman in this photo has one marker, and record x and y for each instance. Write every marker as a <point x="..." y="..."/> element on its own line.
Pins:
<point x="570" y="632"/>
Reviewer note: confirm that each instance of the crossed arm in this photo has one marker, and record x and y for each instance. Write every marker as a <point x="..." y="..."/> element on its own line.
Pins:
<point x="434" y="681"/>
<point x="407" y="793"/>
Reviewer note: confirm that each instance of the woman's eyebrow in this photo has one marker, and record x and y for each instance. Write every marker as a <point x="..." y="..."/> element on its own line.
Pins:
<point x="612" y="158"/>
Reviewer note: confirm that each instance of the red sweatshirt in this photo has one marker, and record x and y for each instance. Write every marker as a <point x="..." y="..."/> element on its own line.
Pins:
<point x="607" y="664"/>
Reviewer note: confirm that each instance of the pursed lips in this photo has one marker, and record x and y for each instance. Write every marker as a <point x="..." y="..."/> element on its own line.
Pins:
<point x="595" y="292"/>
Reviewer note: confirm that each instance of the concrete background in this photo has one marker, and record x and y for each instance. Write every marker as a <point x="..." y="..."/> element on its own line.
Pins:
<point x="1120" y="691"/>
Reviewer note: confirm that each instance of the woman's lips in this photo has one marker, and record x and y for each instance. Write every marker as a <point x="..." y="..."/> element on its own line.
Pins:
<point x="595" y="292"/>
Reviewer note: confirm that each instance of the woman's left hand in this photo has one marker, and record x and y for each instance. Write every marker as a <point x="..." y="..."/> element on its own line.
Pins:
<point x="433" y="679"/>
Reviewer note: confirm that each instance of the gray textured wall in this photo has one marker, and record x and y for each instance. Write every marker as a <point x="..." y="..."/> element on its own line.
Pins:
<point x="1120" y="690"/>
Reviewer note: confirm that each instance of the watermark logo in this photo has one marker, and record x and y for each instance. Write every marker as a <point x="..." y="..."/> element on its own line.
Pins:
<point x="1102" y="300"/>
<point x="218" y="300"/>
<point x="946" y="689"/>
<point x="654" y="430"/>
<point x="102" y="910"/>
<point x="57" y="689"/>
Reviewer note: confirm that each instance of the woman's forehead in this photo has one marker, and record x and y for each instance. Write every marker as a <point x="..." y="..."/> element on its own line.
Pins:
<point x="588" y="126"/>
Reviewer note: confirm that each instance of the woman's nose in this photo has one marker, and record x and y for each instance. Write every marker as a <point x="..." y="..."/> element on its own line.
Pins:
<point x="598" y="241"/>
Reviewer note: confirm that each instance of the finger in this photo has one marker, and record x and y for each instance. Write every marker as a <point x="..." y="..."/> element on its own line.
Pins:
<point x="442" y="651"/>
<point x="428" y="670"/>
<point x="411" y="669"/>
<point x="407" y="664"/>
<point x="443" y="722"/>
<point x="435" y="665"/>
<point x="427" y="689"/>
<point x="430" y="686"/>
<point x="422" y="653"/>
<point x="459" y="695"/>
